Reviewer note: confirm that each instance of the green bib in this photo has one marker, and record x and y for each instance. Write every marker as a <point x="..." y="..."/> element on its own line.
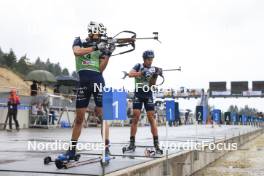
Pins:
<point x="89" y="61"/>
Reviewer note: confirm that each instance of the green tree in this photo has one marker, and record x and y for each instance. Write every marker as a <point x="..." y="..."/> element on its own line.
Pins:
<point x="10" y="59"/>
<point x="57" y="69"/>
<point x="38" y="61"/>
<point x="75" y="74"/>
<point x="22" y="66"/>
<point x="39" y="65"/>
<point x="65" y="72"/>
<point x="233" y="108"/>
<point x="1" y="57"/>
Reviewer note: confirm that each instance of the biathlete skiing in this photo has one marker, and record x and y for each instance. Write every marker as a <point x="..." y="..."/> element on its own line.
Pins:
<point x="91" y="56"/>
<point x="145" y="76"/>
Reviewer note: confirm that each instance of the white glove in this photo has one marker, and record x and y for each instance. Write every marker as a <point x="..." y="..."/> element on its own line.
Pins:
<point x="101" y="46"/>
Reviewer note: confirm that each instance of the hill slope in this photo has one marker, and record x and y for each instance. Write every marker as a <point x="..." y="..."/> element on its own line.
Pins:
<point x="8" y="80"/>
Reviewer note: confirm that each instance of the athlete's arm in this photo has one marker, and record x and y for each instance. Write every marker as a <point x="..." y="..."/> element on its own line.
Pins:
<point x="133" y="73"/>
<point x="78" y="51"/>
<point x="103" y="63"/>
<point x="78" y="48"/>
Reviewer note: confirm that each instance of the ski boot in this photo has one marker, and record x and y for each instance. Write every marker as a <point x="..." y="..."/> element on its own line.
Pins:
<point x="158" y="150"/>
<point x="64" y="158"/>
<point x="156" y="146"/>
<point x="130" y="148"/>
<point x="107" y="151"/>
<point x="107" y="157"/>
<point x="150" y="152"/>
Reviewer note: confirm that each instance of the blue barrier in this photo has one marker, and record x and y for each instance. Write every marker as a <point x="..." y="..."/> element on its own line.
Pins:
<point x="114" y="104"/>
<point x="244" y="119"/>
<point x="65" y="124"/>
<point x="170" y="110"/>
<point x="233" y="117"/>
<point x="216" y="115"/>
<point x="177" y="111"/>
<point x="199" y="113"/>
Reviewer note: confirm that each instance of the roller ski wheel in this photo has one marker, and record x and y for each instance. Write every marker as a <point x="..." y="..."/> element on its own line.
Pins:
<point x="47" y="160"/>
<point x="124" y="150"/>
<point x="77" y="157"/>
<point x="59" y="164"/>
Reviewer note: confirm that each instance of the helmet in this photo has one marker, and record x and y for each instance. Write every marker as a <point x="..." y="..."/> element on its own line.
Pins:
<point x="96" y="28"/>
<point x="13" y="91"/>
<point x="148" y="54"/>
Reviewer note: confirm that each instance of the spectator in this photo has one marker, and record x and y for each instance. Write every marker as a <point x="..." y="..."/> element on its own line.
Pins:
<point x="56" y="89"/>
<point x="13" y="102"/>
<point x="34" y="110"/>
<point x="40" y="109"/>
<point x="52" y="116"/>
<point x="42" y="120"/>
<point x="186" y="117"/>
<point x="33" y="88"/>
<point x="39" y="88"/>
<point x="45" y="88"/>
<point x="46" y="104"/>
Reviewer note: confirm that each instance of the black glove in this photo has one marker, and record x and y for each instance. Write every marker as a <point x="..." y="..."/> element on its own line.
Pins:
<point x="146" y="73"/>
<point x="108" y="50"/>
<point x="158" y="71"/>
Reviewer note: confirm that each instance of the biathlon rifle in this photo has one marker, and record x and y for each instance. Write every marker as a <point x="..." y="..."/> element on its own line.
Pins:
<point x="130" y="41"/>
<point x="159" y="72"/>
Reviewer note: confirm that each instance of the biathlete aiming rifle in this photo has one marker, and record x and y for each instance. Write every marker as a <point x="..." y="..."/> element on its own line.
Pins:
<point x="130" y="41"/>
<point x="159" y="72"/>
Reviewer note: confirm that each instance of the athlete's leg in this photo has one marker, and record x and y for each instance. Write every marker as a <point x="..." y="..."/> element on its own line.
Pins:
<point x="150" y="107"/>
<point x="99" y="114"/>
<point x="98" y="99"/>
<point x="136" y="115"/>
<point x="78" y="122"/>
<point x="82" y="101"/>
<point x="153" y="124"/>
<point x="137" y="106"/>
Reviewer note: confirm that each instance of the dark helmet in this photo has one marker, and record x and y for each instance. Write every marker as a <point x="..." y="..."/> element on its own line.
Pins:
<point x="148" y="54"/>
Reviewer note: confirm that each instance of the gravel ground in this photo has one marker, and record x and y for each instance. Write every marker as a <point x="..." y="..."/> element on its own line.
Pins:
<point x="247" y="161"/>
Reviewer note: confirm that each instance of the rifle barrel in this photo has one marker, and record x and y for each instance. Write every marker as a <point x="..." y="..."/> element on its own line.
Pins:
<point x="143" y="38"/>
<point x="175" y="69"/>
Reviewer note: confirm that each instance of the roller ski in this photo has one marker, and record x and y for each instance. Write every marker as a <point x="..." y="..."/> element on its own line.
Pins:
<point x="68" y="165"/>
<point x="66" y="157"/>
<point x="70" y="160"/>
<point x="150" y="152"/>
